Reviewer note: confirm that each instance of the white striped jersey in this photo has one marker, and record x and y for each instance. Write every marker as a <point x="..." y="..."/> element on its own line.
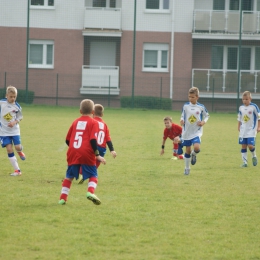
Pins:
<point x="191" y="115"/>
<point x="248" y="117"/>
<point x="8" y="113"/>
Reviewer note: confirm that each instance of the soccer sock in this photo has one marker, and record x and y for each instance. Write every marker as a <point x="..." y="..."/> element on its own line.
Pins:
<point x="187" y="160"/>
<point x="175" y="149"/>
<point x="253" y="152"/>
<point x="13" y="161"/>
<point x="92" y="184"/>
<point x="65" y="189"/>
<point x="244" y="155"/>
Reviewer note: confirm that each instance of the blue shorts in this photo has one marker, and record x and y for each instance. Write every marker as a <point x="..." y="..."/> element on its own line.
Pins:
<point x="87" y="171"/>
<point x="250" y="140"/>
<point x="5" y="140"/>
<point x="195" y="140"/>
<point x="102" y="151"/>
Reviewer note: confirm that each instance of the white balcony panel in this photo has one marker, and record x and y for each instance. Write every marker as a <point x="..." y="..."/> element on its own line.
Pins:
<point x="233" y="22"/>
<point x="250" y="22"/>
<point x="218" y="21"/>
<point x="100" y="80"/>
<point x="102" y="18"/>
<point x="202" y="21"/>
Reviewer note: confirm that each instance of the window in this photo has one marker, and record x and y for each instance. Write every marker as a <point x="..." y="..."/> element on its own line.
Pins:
<point x="157" y="4"/>
<point x="257" y="58"/>
<point x="155" y="57"/>
<point x="219" y="5"/>
<point x="217" y="57"/>
<point x="42" y="3"/>
<point x="233" y="58"/>
<point x="247" y="5"/>
<point x="104" y="3"/>
<point x="41" y="54"/>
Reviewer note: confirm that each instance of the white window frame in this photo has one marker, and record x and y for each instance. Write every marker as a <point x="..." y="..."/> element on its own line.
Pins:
<point x="160" y="10"/>
<point x="44" y="65"/>
<point x="159" y="47"/>
<point x="44" y="6"/>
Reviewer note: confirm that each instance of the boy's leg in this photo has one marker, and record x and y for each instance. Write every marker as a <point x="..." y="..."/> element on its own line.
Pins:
<point x="253" y="152"/>
<point x="18" y="146"/>
<point x="244" y="157"/>
<point x="187" y="160"/>
<point x="66" y="184"/>
<point x="90" y="172"/>
<point x="196" y="150"/>
<point x="13" y="160"/>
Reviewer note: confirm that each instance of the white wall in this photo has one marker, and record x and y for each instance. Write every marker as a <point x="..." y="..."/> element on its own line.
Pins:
<point x="203" y="4"/>
<point x="68" y="14"/>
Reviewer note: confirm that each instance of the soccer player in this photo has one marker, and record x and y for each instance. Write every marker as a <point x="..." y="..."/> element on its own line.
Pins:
<point x="248" y="126"/>
<point x="10" y="117"/>
<point x="103" y="137"/>
<point x="82" y="152"/>
<point x="173" y="132"/>
<point x="194" y="116"/>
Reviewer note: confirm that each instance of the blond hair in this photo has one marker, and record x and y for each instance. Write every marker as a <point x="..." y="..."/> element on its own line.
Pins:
<point x="247" y="93"/>
<point x="194" y="90"/>
<point x="167" y="118"/>
<point x="86" y="106"/>
<point x="98" y="110"/>
<point x="11" y="89"/>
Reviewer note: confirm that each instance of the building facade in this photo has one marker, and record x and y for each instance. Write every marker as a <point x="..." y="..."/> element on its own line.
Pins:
<point x="94" y="48"/>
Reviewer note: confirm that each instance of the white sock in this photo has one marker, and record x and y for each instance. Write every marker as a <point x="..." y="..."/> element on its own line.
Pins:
<point x="187" y="162"/>
<point x="244" y="157"/>
<point x="14" y="162"/>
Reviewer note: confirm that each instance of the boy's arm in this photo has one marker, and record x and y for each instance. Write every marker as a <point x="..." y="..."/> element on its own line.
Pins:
<point x="239" y="124"/>
<point x="163" y="143"/>
<point x="111" y="148"/>
<point x="93" y="143"/>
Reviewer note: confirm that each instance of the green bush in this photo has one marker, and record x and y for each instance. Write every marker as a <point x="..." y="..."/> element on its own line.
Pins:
<point x="21" y="98"/>
<point x="147" y="102"/>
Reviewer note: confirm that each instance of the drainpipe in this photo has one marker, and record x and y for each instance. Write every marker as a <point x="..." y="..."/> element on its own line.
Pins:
<point x="172" y="50"/>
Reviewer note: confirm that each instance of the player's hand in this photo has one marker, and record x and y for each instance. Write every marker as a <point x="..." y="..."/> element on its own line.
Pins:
<point x="182" y="122"/>
<point x="101" y="159"/>
<point x="201" y="123"/>
<point x="113" y="153"/>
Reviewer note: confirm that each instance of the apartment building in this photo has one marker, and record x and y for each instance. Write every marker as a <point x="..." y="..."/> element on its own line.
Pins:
<point x="120" y="47"/>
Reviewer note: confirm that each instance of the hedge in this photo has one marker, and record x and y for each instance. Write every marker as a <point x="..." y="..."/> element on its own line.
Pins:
<point x="21" y="97"/>
<point x="147" y="102"/>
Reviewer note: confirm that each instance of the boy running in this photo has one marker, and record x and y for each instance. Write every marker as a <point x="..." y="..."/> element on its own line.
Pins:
<point x="248" y="126"/>
<point x="10" y="116"/>
<point x="194" y="116"/>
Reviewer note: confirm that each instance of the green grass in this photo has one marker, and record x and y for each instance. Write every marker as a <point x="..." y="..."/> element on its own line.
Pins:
<point x="149" y="210"/>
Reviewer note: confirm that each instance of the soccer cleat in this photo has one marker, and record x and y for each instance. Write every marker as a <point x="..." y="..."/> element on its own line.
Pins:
<point x="193" y="158"/>
<point x="186" y="171"/>
<point x="244" y="165"/>
<point x="80" y="179"/>
<point x="174" y="158"/>
<point x="180" y="157"/>
<point x="93" y="198"/>
<point x="62" y="202"/>
<point x="254" y="160"/>
<point x="16" y="173"/>
<point x="22" y="155"/>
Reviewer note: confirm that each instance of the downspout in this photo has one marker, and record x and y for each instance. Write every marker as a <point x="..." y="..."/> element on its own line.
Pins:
<point x="172" y="49"/>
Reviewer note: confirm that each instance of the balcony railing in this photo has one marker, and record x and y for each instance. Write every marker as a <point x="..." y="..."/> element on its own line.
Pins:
<point x="102" y="18"/>
<point x="100" y="80"/>
<point x="212" y="21"/>
<point x="226" y="81"/>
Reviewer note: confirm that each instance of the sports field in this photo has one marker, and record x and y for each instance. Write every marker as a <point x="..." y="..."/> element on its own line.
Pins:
<point x="149" y="210"/>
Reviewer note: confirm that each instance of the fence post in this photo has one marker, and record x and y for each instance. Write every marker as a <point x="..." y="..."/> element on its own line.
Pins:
<point x="57" y="88"/>
<point x="109" y="92"/>
<point x="213" y="89"/>
<point x="161" y="94"/>
<point x="4" y="86"/>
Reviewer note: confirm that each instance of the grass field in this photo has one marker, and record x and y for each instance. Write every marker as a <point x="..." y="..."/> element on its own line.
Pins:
<point x="149" y="210"/>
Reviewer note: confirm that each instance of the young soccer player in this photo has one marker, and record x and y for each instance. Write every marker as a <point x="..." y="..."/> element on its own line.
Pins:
<point x="82" y="152"/>
<point x="11" y="115"/>
<point x="173" y="132"/>
<point x="194" y="116"/>
<point x="248" y="126"/>
<point x="103" y="137"/>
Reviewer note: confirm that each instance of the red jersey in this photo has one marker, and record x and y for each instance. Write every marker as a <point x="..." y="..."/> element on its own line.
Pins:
<point x="80" y="151"/>
<point x="103" y="133"/>
<point x="171" y="133"/>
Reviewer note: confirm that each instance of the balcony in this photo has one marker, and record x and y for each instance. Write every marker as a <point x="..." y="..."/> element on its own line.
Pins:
<point x="102" y="22"/>
<point x="224" y="83"/>
<point x="100" y="80"/>
<point x="226" y="22"/>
